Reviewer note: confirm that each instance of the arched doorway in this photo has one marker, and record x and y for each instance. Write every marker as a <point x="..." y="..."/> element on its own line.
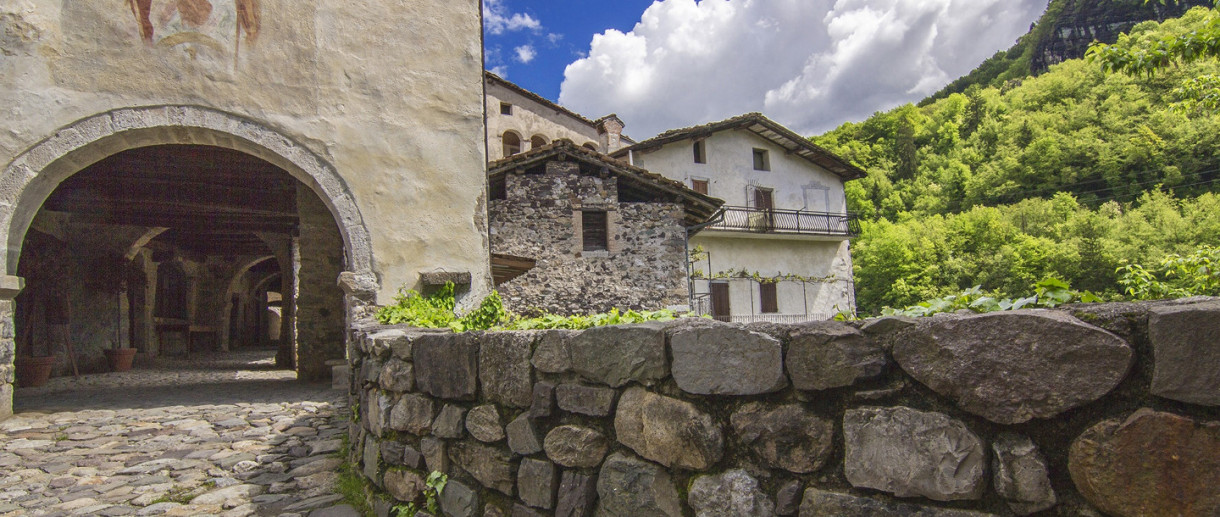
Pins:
<point x="135" y="188"/>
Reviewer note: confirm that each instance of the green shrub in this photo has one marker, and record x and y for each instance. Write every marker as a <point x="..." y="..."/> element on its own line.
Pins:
<point x="437" y="311"/>
<point x="1176" y="276"/>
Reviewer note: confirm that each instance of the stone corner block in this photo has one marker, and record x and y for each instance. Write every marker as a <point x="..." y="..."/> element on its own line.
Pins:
<point x="1186" y="352"/>
<point x="668" y="431"/>
<point x="628" y="486"/>
<point x="1152" y="463"/>
<point x="617" y="355"/>
<point x="1051" y="362"/>
<point x="829" y="355"/>
<point x="504" y="367"/>
<point x="909" y="453"/>
<point x="727" y="361"/>
<point x="447" y="365"/>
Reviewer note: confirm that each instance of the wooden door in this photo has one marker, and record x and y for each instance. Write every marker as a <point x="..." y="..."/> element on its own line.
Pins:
<point x="720" y="301"/>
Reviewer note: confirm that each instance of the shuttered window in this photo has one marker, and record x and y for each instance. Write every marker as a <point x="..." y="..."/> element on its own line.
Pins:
<point x="770" y="299"/>
<point x="594" y="230"/>
<point x="699" y="186"/>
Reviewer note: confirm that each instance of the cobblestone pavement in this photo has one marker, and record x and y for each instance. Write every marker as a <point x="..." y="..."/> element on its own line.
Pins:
<point x="217" y="435"/>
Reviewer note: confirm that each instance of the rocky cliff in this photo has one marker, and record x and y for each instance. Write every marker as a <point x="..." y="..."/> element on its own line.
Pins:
<point x="1080" y="22"/>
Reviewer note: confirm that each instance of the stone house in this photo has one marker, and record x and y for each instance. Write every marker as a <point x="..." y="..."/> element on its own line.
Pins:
<point x="217" y="179"/>
<point x="519" y="120"/>
<point x="574" y="231"/>
<point x="780" y="251"/>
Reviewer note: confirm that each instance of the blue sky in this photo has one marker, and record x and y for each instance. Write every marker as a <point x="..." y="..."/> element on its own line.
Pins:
<point x="809" y="64"/>
<point x="574" y="21"/>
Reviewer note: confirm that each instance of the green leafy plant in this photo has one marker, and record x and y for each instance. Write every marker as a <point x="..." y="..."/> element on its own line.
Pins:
<point x="1048" y="293"/>
<point x="434" y="486"/>
<point x="412" y="308"/>
<point x="1177" y="276"/>
<point x="437" y="311"/>
<point x="488" y="314"/>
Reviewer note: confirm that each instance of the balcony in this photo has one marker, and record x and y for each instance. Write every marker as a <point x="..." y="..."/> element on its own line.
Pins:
<point x="787" y="222"/>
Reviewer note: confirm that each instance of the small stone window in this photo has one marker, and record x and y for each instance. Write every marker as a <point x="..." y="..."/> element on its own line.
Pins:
<point x="537" y="141"/>
<point x="595" y="231"/>
<point x="699" y="186"/>
<point x="762" y="160"/>
<point x="767" y="294"/>
<point x="506" y="109"/>
<point x="512" y="144"/>
<point x="700" y="149"/>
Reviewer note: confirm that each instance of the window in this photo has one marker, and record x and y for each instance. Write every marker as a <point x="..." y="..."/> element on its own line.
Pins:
<point x="762" y="162"/>
<point x="590" y="146"/>
<point x="699" y="186"/>
<point x="770" y="300"/>
<point x="700" y="152"/>
<point x="537" y="141"/>
<point x="506" y="108"/>
<point x="595" y="230"/>
<point x="764" y="199"/>
<point x="512" y="144"/>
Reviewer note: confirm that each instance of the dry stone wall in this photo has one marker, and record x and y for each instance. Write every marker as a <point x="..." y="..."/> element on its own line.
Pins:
<point x="1087" y="410"/>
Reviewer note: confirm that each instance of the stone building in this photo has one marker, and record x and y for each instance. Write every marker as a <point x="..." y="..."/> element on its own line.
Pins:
<point x="519" y="120"/>
<point x="211" y="174"/>
<point x="573" y="231"/>
<point x="780" y="251"/>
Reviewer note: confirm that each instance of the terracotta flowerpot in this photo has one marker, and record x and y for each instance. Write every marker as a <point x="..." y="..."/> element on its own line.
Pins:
<point x="120" y="359"/>
<point x="33" y="371"/>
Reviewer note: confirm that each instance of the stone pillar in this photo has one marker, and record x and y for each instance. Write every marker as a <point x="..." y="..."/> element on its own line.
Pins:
<point x="320" y="313"/>
<point x="10" y="286"/>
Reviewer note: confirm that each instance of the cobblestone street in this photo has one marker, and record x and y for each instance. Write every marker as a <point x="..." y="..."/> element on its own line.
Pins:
<point x="216" y="435"/>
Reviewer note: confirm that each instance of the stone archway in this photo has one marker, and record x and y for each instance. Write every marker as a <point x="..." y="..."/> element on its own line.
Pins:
<point x="29" y="180"/>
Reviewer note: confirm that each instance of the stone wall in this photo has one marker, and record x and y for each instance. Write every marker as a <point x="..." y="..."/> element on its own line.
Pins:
<point x="644" y="267"/>
<point x="1087" y="410"/>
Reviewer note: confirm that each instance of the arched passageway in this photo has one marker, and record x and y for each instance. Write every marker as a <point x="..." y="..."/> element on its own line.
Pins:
<point x="208" y="279"/>
<point x="90" y="212"/>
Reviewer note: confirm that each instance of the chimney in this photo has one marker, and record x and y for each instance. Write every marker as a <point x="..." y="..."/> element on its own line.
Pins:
<point x="610" y="131"/>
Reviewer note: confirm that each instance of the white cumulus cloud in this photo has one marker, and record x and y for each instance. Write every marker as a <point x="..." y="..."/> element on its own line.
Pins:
<point x="809" y="64"/>
<point x="497" y="19"/>
<point x="525" y="54"/>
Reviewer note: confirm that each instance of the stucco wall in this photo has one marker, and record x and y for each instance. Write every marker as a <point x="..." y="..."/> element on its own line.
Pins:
<point x="730" y="169"/>
<point x="530" y="118"/>
<point x="1083" y="411"/>
<point x="825" y="263"/>
<point x="372" y="90"/>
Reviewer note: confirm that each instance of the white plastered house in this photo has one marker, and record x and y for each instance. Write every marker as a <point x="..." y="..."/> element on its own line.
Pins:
<point x="781" y="251"/>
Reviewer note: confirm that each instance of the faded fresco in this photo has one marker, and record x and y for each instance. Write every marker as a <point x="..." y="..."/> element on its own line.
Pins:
<point x="221" y="26"/>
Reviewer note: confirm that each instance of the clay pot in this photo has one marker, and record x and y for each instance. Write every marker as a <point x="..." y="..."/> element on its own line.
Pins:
<point x="120" y="358"/>
<point x="33" y="371"/>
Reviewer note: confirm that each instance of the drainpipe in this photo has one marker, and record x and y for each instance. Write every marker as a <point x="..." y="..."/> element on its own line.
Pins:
<point x="690" y="282"/>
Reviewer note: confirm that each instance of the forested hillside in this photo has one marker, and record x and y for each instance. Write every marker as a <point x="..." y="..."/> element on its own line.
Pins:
<point x="1067" y="174"/>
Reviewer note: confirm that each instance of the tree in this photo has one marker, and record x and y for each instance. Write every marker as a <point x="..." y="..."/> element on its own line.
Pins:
<point x="1196" y="95"/>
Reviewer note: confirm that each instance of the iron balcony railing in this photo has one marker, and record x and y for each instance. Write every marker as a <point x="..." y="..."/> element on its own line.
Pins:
<point x="799" y="222"/>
